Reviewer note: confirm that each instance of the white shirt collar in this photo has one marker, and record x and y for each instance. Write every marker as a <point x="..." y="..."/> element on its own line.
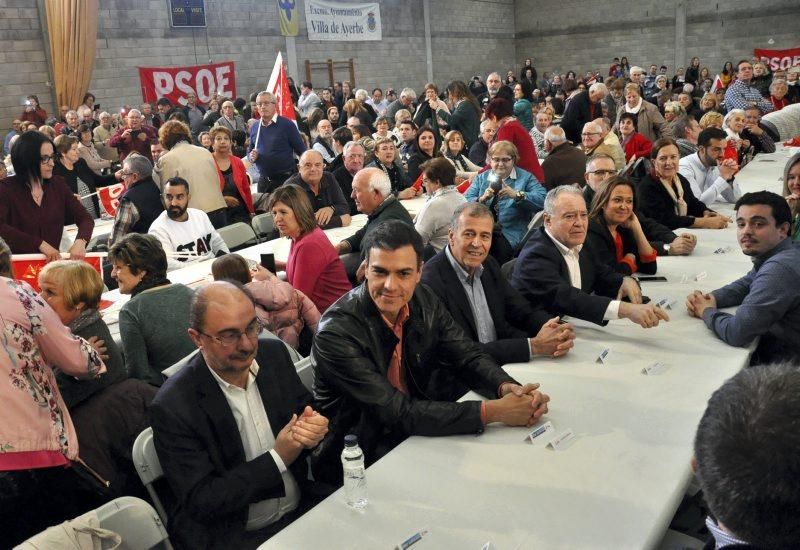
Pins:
<point x="228" y="386"/>
<point x="561" y="247"/>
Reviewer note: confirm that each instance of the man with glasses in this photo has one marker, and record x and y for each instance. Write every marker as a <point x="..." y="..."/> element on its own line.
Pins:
<point x="556" y="271"/>
<point x="756" y="133"/>
<point x="232" y="428"/>
<point x="601" y="167"/>
<point x="140" y="204"/>
<point x="274" y="141"/>
<point x="353" y="155"/>
<point x="741" y="93"/>
<point x="564" y="163"/>
<point x="134" y="137"/>
<point x="592" y="144"/>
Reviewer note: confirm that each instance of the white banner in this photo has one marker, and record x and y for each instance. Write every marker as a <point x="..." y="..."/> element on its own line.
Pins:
<point x="343" y="22"/>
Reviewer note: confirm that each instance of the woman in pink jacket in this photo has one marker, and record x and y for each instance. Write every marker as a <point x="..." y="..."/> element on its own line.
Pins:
<point x="38" y="444"/>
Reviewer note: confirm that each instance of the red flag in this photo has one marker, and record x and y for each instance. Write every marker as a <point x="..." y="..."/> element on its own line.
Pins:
<point x="717" y="84"/>
<point x="279" y="87"/>
<point x="26" y="267"/>
<point x="110" y="195"/>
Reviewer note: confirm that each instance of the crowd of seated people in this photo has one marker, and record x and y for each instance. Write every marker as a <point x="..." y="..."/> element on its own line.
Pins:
<point x="394" y="345"/>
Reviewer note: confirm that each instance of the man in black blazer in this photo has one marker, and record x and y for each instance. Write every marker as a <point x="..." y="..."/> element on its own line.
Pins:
<point x="231" y="429"/>
<point x="496" y="314"/>
<point x="556" y="269"/>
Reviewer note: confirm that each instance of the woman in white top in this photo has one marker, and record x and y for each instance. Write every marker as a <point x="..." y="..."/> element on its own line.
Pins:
<point x="433" y="219"/>
<point x="733" y="124"/>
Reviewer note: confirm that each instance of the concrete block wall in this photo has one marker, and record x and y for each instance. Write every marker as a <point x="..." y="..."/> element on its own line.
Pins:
<point x="586" y="34"/>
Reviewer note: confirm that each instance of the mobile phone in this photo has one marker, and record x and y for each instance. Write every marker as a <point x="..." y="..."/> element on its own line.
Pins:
<point x="268" y="262"/>
<point x="652" y="279"/>
<point x="96" y="106"/>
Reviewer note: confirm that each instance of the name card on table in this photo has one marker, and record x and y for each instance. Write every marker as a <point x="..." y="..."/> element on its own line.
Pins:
<point x="665" y="303"/>
<point x="562" y="441"/>
<point x="539" y="433"/>
<point x="699" y="277"/>
<point x="723" y="250"/>
<point x="655" y="368"/>
<point x="604" y="356"/>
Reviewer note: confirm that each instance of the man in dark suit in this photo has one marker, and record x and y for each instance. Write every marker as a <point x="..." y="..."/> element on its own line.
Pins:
<point x="231" y="428"/>
<point x="556" y="270"/>
<point x="584" y="107"/>
<point x="468" y="281"/>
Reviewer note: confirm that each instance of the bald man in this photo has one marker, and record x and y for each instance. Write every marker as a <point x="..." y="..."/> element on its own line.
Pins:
<point x="565" y="163"/>
<point x="232" y="428"/>
<point x="592" y="144"/>
<point x="329" y="204"/>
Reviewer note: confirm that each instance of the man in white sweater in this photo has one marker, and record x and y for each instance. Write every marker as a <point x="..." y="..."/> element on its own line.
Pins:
<point x="710" y="175"/>
<point x="185" y="233"/>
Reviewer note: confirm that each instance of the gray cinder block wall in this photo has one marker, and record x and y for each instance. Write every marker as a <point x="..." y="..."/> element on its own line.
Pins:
<point x="467" y="37"/>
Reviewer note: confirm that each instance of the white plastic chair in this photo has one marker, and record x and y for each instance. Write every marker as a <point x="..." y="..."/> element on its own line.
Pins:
<point x="237" y="235"/>
<point x="135" y="521"/>
<point x="305" y="370"/>
<point x="147" y="465"/>
<point x="169" y="371"/>
<point x="263" y="225"/>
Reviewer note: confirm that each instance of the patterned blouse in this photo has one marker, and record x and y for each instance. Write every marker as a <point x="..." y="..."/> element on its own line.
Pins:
<point x="36" y="430"/>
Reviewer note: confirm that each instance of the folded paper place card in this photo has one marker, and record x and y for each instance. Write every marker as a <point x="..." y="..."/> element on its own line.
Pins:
<point x="655" y="368"/>
<point x="562" y="441"/>
<point x="723" y="250"/>
<point x="604" y="356"/>
<point x="541" y="433"/>
<point x="665" y="303"/>
<point x="700" y="276"/>
<point x="684" y="279"/>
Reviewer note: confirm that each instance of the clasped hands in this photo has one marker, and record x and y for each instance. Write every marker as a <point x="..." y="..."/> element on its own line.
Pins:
<point x="697" y="302"/>
<point x="517" y="405"/>
<point x="303" y="432"/>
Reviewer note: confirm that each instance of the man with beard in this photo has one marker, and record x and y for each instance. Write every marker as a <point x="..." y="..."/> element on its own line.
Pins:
<point x="185" y="233"/>
<point x="495" y="88"/>
<point x="710" y="175"/>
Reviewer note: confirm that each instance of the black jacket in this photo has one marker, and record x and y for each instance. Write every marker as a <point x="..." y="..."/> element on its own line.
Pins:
<point x="514" y="319"/>
<point x="602" y="245"/>
<point x="81" y="170"/>
<point x="542" y="276"/>
<point x="345" y="180"/>
<point x="144" y="194"/>
<point x="352" y="351"/>
<point x="201" y="452"/>
<point x="655" y="202"/>
<point x="390" y="209"/>
<point x="564" y="165"/>
<point x="657" y="233"/>
<point x="579" y="111"/>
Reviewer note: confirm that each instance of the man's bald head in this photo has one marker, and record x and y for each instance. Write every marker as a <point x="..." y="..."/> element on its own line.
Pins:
<point x="214" y="297"/>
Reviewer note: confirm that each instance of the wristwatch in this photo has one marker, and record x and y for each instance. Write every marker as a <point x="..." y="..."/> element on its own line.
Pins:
<point x="666" y="249"/>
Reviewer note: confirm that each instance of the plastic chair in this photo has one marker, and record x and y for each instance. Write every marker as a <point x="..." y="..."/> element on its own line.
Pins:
<point x="305" y="371"/>
<point x="135" y="521"/>
<point x="237" y="235"/>
<point x="147" y="465"/>
<point x="178" y="365"/>
<point x="507" y="269"/>
<point x="263" y="225"/>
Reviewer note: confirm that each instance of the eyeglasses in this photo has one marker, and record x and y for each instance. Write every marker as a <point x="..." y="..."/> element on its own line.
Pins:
<point x="230" y="338"/>
<point x="502" y="159"/>
<point x="603" y="172"/>
<point x="47" y="159"/>
<point x="590" y="134"/>
<point x="126" y="174"/>
<point x="265" y="103"/>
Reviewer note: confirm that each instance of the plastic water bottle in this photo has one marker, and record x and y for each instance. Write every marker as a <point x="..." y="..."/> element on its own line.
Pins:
<point x="355" y="480"/>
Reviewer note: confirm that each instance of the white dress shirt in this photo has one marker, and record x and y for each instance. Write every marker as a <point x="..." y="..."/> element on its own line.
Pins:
<point x="572" y="258"/>
<point x="707" y="185"/>
<point x="257" y="438"/>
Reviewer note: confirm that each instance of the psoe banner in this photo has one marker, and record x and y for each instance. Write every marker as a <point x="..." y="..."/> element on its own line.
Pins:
<point x="779" y="59"/>
<point x="175" y="83"/>
<point x="343" y="22"/>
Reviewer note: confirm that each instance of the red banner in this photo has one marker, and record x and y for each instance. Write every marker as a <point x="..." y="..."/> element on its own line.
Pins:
<point x="26" y="267"/>
<point x="175" y="82"/>
<point x="110" y="195"/>
<point x="779" y="59"/>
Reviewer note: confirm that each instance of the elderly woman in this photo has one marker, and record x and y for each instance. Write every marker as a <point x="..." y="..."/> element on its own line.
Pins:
<point x="633" y="143"/>
<point x="233" y="178"/>
<point x="649" y="121"/>
<point x="708" y="103"/>
<point x="762" y="79"/>
<point x="512" y="193"/>
<point x="73" y="290"/>
<point x="433" y="220"/>
<point x="711" y="119"/>
<point x="87" y="151"/>
<point x="733" y="124"/>
<point x="313" y="266"/>
<point x="426" y="110"/>
<point x="666" y="196"/>
<point x="35" y="205"/>
<point x="81" y="180"/>
<point x="38" y="437"/>
<point x="139" y="266"/>
<point x="509" y="129"/>
<point x="778" y="90"/>
<point x="662" y="93"/>
<point x="103" y="133"/>
<point x="453" y="149"/>
<point x="673" y="110"/>
<point x="615" y="234"/>
<point x="791" y="190"/>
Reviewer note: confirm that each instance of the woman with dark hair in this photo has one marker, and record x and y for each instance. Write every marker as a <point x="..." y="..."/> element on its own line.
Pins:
<point x="465" y="115"/>
<point x="625" y="66"/>
<point x="453" y="150"/>
<point x="426" y="110"/>
<point x="509" y="129"/>
<point x="634" y="143"/>
<point x="313" y="266"/>
<point x="33" y="112"/>
<point x="87" y="151"/>
<point x="727" y="74"/>
<point x="35" y="205"/>
<point x="523" y="108"/>
<point x="139" y="266"/>
<point x="433" y="220"/>
<point x="427" y="145"/>
<point x="80" y="179"/>
<point x="233" y="178"/>
<point x="615" y="234"/>
<point x="666" y="196"/>
<point x="282" y="309"/>
<point x="693" y="72"/>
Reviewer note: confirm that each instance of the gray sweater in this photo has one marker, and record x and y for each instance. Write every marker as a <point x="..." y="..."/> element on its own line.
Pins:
<point x="153" y="326"/>
<point x="768" y="298"/>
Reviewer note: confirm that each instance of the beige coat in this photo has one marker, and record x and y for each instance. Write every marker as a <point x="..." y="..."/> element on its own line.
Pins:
<point x="650" y="123"/>
<point x="196" y="165"/>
